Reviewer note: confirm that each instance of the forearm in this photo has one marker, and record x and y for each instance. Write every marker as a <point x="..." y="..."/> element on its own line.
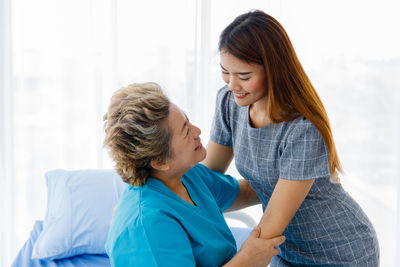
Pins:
<point x="282" y="206"/>
<point x="272" y="225"/>
<point x="218" y="157"/>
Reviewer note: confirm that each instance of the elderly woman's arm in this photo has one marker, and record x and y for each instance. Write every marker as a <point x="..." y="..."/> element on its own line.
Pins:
<point x="256" y="251"/>
<point x="162" y="240"/>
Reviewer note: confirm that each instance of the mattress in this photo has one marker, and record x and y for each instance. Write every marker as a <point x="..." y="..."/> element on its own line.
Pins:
<point x="23" y="259"/>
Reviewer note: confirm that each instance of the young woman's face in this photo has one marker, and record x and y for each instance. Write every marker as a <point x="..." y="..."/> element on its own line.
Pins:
<point x="186" y="146"/>
<point x="246" y="81"/>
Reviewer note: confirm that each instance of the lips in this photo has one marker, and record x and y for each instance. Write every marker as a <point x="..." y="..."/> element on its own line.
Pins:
<point x="240" y="95"/>
<point x="200" y="146"/>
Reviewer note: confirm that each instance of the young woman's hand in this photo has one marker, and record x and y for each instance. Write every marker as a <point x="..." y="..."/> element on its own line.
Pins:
<point x="256" y="251"/>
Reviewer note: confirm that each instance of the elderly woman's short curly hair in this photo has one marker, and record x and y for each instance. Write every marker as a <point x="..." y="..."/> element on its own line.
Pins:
<point x="136" y="130"/>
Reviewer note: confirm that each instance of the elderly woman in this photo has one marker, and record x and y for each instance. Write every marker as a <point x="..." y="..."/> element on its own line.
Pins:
<point x="170" y="213"/>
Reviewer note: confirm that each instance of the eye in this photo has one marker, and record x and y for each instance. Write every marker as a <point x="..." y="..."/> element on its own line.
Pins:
<point x="224" y="72"/>
<point x="244" y="79"/>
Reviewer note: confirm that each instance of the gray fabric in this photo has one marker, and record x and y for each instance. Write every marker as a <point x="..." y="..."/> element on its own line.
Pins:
<point x="329" y="227"/>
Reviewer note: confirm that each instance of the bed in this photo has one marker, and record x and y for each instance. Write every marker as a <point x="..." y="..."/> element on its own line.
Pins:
<point x="24" y="256"/>
<point x="78" y="215"/>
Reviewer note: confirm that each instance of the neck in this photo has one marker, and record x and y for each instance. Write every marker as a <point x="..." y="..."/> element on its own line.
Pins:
<point x="174" y="182"/>
<point x="261" y="106"/>
<point x="258" y="114"/>
<point x="171" y="180"/>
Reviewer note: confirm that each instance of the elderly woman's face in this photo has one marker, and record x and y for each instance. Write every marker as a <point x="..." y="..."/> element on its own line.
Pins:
<point x="186" y="146"/>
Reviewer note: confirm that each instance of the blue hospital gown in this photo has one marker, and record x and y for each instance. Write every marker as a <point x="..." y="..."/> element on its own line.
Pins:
<point x="329" y="228"/>
<point x="153" y="226"/>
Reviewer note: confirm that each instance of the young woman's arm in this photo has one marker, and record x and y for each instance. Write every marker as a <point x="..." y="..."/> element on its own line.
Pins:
<point x="285" y="201"/>
<point x="218" y="159"/>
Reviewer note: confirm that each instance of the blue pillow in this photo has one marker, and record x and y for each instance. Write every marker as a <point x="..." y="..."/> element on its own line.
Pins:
<point x="79" y="211"/>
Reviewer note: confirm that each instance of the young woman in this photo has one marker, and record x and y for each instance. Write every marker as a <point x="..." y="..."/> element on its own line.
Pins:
<point x="270" y="119"/>
<point x="170" y="214"/>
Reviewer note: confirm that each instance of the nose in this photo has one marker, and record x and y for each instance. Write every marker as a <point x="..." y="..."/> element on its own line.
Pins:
<point x="233" y="83"/>
<point x="196" y="131"/>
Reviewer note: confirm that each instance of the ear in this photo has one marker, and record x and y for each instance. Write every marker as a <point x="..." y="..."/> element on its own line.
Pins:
<point x="157" y="164"/>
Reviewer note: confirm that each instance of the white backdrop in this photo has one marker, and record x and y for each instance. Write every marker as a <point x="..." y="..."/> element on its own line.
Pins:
<point x="62" y="59"/>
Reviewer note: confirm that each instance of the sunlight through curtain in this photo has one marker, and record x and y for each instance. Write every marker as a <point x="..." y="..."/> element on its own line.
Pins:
<point x="62" y="60"/>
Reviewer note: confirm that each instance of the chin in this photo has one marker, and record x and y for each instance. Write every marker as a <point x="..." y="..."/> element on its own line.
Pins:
<point x="203" y="155"/>
<point x="241" y="103"/>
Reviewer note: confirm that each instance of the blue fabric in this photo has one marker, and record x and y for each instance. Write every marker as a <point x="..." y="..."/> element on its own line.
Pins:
<point x="23" y="259"/>
<point x="329" y="228"/>
<point x="152" y="226"/>
<point x="79" y="212"/>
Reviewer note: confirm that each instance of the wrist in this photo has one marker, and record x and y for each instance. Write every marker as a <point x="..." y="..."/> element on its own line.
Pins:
<point x="240" y="259"/>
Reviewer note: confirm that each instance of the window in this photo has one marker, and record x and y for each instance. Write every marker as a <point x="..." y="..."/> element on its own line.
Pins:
<point x="62" y="60"/>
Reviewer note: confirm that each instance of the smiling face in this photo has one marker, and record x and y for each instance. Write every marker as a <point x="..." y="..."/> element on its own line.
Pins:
<point x="186" y="147"/>
<point x="247" y="81"/>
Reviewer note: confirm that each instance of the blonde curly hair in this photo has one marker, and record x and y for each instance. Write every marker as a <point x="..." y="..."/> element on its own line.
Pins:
<point x="136" y="131"/>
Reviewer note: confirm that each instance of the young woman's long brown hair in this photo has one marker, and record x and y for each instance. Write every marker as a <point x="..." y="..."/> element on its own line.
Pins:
<point x="258" y="38"/>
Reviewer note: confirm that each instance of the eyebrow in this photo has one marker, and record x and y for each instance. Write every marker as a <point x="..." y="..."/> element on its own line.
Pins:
<point x="240" y="73"/>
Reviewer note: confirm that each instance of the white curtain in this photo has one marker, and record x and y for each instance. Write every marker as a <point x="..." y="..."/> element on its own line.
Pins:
<point x="61" y="61"/>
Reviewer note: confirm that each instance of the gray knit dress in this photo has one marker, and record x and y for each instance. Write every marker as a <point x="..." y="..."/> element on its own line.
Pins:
<point x="329" y="228"/>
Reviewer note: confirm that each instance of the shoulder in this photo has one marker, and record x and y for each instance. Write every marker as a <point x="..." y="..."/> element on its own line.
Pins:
<point x="223" y="91"/>
<point x="137" y="203"/>
<point x="198" y="169"/>
<point x="206" y="180"/>
<point x="127" y="212"/>
<point x="140" y="213"/>
<point x="202" y="178"/>
<point x="199" y="174"/>
<point x="223" y="95"/>
<point x="129" y="198"/>
<point x="301" y="128"/>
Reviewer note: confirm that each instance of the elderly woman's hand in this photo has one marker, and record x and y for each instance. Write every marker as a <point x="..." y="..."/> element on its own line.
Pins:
<point x="256" y="251"/>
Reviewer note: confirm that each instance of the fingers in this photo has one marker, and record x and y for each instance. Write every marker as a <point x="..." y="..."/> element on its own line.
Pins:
<point x="256" y="232"/>
<point x="276" y="241"/>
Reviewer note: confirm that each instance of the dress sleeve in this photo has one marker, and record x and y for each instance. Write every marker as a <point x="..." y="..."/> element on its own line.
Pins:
<point x="224" y="188"/>
<point x="304" y="155"/>
<point x="155" y="241"/>
<point x="220" y="130"/>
